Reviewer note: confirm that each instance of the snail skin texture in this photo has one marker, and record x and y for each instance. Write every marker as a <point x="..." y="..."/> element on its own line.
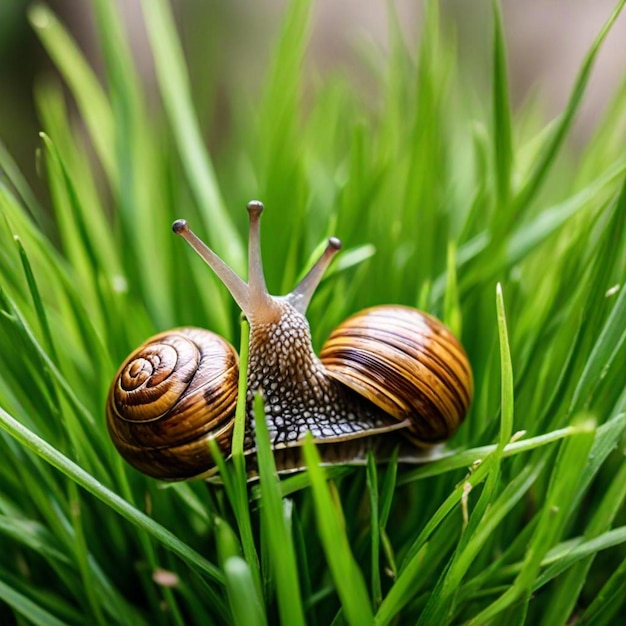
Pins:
<point x="389" y="377"/>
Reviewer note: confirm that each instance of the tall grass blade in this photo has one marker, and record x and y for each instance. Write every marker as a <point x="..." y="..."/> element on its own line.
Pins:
<point x="502" y="133"/>
<point x="174" y="86"/>
<point x="276" y="526"/>
<point x="347" y="577"/>
<point x="90" y="97"/>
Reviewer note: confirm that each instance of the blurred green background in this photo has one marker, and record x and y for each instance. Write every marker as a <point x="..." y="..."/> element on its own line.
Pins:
<point x="228" y="44"/>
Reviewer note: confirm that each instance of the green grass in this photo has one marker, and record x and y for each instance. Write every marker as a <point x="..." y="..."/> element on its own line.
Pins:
<point x="444" y="199"/>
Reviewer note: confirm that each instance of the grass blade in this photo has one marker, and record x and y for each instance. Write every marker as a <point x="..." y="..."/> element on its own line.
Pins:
<point x="277" y="530"/>
<point x="346" y="574"/>
<point x="27" y="608"/>
<point x="372" y="487"/>
<point x="242" y="593"/>
<point x="174" y="87"/>
<point x="90" y="97"/>
<point x="503" y="153"/>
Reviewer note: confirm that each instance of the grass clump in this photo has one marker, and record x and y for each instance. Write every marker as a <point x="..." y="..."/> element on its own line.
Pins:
<point x="439" y="197"/>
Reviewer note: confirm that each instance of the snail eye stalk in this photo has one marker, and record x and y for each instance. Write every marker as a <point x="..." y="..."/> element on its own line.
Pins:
<point x="301" y="296"/>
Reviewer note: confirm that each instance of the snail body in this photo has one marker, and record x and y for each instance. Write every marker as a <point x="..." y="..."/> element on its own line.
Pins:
<point x="389" y="376"/>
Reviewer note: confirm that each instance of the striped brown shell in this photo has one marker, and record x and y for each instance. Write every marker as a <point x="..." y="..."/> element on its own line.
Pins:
<point x="407" y="363"/>
<point x="170" y="396"/>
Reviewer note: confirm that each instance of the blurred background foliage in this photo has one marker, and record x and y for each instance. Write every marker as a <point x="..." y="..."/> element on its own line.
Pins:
<point x="228" y="44"/>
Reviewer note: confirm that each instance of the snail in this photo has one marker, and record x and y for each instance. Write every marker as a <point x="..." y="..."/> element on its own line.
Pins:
<point x="389" y="376"/>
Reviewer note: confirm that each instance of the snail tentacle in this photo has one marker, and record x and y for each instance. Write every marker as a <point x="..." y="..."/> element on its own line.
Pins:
<point x="301" y="296"/>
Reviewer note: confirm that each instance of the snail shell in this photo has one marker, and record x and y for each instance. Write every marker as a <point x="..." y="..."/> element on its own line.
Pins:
<point x="170" y="396"/>
<point x="408" y="364"/>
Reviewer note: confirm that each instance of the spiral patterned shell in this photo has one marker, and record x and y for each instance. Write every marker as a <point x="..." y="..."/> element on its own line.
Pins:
<point x="170" y="396"/>
<point x="408" y="364"/>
